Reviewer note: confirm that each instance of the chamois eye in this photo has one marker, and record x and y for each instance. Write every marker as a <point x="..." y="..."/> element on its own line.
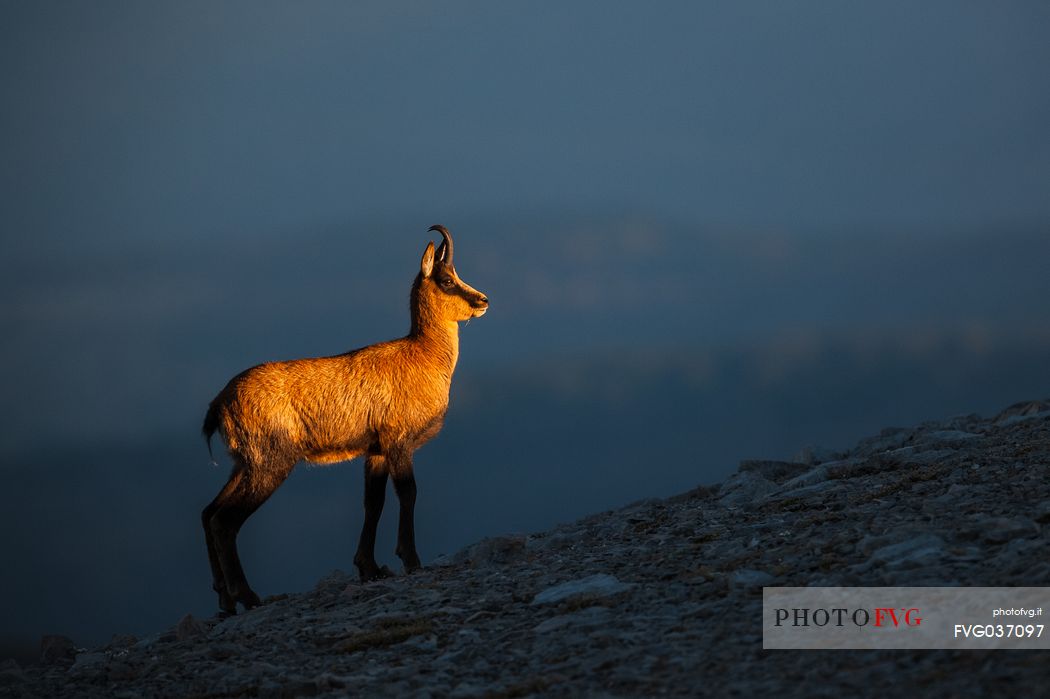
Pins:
<point x="446" y="283"/>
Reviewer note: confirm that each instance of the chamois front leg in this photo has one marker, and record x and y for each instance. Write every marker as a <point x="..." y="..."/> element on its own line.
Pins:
<point x="405" y="487"/>
<point x="375" y="495"/>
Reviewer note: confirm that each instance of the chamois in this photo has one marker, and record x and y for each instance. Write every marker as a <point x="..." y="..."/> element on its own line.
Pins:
<point x="382" y="401"/>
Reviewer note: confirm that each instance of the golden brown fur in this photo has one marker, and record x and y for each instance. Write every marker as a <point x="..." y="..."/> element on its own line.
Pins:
<point x="382" y="401"/>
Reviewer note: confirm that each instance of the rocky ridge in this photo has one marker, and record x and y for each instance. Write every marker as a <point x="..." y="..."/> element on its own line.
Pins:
<point x="662" y="597"/>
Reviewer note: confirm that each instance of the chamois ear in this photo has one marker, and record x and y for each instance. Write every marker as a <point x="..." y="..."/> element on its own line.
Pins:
<point x="426" y="267"/>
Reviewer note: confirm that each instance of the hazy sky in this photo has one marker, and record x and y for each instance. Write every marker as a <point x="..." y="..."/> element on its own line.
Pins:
<point x="128" y="120"/>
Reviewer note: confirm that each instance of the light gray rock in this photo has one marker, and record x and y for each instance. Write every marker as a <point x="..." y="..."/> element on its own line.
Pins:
<point x="930" y="456"/>
<point x="748" y="578"/>
<point x="1014" y="419"/>
<point x="810" y="477"/>
<point x="920" y="550"/>
<point x="952" y="435"/>
<point x="744" y="488"/>
<point x="582" y="619"/>
<point x="422" y="643"/>
<point x="598" y="585"/>
<point x="802" y="492"/>
<point x="1041" y="512"/>
<point x="890" y="438"/>
<point x="466" y="690"/>
<point x="955" y="492"/>
<point x="88" y="663"/>
<point x="999" y="530"/>
<point x="468" y="636"/>
<point x="813" y="455"/>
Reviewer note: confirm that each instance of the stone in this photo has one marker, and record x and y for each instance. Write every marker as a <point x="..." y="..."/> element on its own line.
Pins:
<point x="810" y="477"/>
<point x="952" y="435"/>
<point x="1022" y="411"/>
<point x="121" y="671"/>
<point x="57" y="650"/>
<point x="89" y="663"/>
<point x="336" y="579"/>
<point x="222" y="651"/>
<point x="585" y="618"/>
<point x="930" y="456"/>
<point x="10" y="672"/>
<point x="748" y="578"/>
<point x="121" y="642"/>
<point x="889" y="438"/>
<point x="744" y="488"/>
<point x="814" y="455"/>
<point x="776" y="471"/>
<point x="188" y="628"/>
<point x="599" y="585"/>
<point x="1014" y="419"/>
<point x="491" y="551"/>
<point x="923" y="549"/>
<point x="999" y="530"/>
<point x="466" y="690"/>
<point x="801" y="493"/>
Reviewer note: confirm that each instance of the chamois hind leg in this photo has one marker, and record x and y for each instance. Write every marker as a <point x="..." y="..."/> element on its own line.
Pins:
<point x="405" y="487"/>
<point x="218" y="580"/>
<point x="255" y="486"/>
<point x="375" y="495"/>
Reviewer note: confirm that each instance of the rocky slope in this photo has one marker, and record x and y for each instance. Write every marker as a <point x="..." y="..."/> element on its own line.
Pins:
<point x="660" y="597"/>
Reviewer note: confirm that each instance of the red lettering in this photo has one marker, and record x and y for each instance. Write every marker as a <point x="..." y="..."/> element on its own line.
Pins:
<point x="889" y="614"/>
<point x="880" y="616"/>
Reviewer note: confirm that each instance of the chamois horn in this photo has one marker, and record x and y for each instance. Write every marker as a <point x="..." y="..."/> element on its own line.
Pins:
<point x="445" y="253"/>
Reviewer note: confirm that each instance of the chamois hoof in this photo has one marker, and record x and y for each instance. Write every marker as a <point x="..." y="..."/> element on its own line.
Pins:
<point x="376" y="573"/>
<point x="228" y="601"/>
<point x="249" y="599"/>
<point x="227" y="604"/>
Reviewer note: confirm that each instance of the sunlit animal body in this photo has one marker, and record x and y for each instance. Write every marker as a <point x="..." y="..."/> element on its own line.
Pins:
<point x="381" y="402"/>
